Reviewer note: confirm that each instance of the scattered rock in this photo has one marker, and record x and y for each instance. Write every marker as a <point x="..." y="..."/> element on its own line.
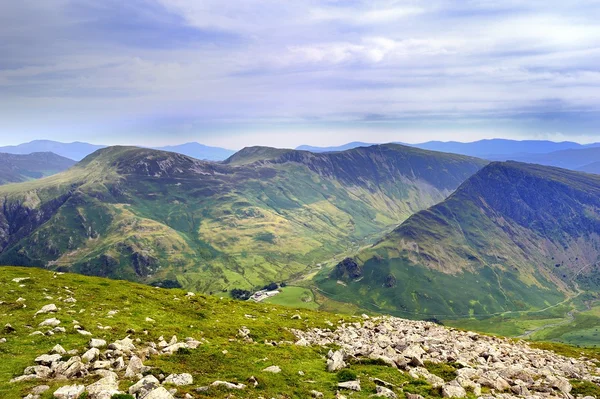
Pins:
<point x="159" y="393"/>
<point x="228" y="385"/>
<point x="97" y="343"/>
<point x="58" y="350"/>
<point x="47" y="309"/>
<point x="104" y="388"/>
<point x="384" y="392"/>
<point x="351" y="385"/>
<point x="143" y="386"/>
<point x="179" y="379"/>
<point x="273" y="369"/>
<point x="69" y="392"/>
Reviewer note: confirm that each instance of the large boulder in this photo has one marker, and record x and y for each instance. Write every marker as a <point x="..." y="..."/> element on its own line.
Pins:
<point x="104" y="388"/>
<point x="336" y="361"/>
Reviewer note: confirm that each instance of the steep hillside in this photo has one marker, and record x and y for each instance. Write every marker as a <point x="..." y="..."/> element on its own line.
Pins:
<point x="20" y="168"/>
<point x="67" y="332"/>
<point x="161" y="217"/>
<point x="512" y="237"/>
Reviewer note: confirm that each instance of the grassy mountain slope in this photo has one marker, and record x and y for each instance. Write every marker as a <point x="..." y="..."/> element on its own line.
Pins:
<point x="16" y="168"/>
<point x="153" y="216"/>
<point x="111" y="310"/>
<point x="512" y="237"/>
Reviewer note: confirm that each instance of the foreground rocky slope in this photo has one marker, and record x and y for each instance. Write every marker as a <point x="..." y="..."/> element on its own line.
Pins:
<point x="164" y="218"/>
<point x="67" y="335"/>
<point x="512" y="237"/>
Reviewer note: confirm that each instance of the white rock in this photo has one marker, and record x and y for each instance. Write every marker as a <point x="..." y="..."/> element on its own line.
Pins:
<point x="273" y="369"/>
<point x="53" y="322"/>
<point x="179" y="379"/>
<point x="58" y="350"/>
<point x="97" y="343"/>
<point x="48" y="359"/>
<point x="453" y="391"/>
<point x="90" y="355"/>
<point x="159" y="393"/>
<point x="351" y="385"/>
<point x="385" y="392"/>
<point x="134" y="367"/>
<point x="104" y="388"/>
<point x="84" y="332"/>
<point x="228" y="385"/>
<point x="51" y="308"/>
<point x="69" y="392"/>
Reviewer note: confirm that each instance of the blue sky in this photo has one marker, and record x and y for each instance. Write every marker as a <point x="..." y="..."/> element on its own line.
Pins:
<point x="284" y="73"/>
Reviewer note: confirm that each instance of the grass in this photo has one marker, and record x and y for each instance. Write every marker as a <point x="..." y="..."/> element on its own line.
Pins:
<point x="296" y="297"/>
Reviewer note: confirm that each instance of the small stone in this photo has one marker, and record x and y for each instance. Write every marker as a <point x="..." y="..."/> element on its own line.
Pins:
<point x="228" y="385"/>
<point x="316" y="394"/>
<point x="273" y="369"/>
<point x="58" y="350"/>
<point x="351" y="385"/>
<point x="97" y="343"/>
<point x="53" y="322"/>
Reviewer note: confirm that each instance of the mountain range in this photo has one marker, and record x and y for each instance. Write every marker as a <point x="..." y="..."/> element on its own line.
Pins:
<point x="566" y="154"/>
<point x="162" y="217"/>
<point x="19" y="168"/>
<point x="512" y="237"/>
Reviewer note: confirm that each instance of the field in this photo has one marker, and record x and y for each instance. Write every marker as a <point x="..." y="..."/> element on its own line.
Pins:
<point x="297" y="297"/>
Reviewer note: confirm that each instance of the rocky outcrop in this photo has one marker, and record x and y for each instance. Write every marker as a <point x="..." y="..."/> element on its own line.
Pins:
<point x="505" y="367"/>
<point x="348" y="269"/>
<point x="120" y="359"/>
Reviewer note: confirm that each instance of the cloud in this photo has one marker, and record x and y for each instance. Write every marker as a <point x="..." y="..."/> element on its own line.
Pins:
<point x="109" y="67"/>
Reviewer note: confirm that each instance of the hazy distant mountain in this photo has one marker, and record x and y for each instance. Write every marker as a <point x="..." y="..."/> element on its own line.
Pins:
<point x="343" y="147"/>
<point x="501" y="149"/>
<point x="148" y="215"/>
<point x="494" y="149"/>
<point x="199" y="151"/>
<point x="574" y="159"/>
<point x="76" y="151"/>
<point x="16" y="168"/>
<point x="512" y="237"/>
<point x="593" y="167"/>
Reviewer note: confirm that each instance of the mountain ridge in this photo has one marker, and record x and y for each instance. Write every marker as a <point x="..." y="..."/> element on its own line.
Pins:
<point x="150" y="215"/>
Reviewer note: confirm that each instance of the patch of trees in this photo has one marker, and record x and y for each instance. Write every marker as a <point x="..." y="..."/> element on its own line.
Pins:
<point x="167" y="284"/>
<point x="239" y="294"/>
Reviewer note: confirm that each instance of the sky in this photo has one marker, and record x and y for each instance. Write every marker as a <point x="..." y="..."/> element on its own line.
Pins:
<point x="284" y="73"/>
